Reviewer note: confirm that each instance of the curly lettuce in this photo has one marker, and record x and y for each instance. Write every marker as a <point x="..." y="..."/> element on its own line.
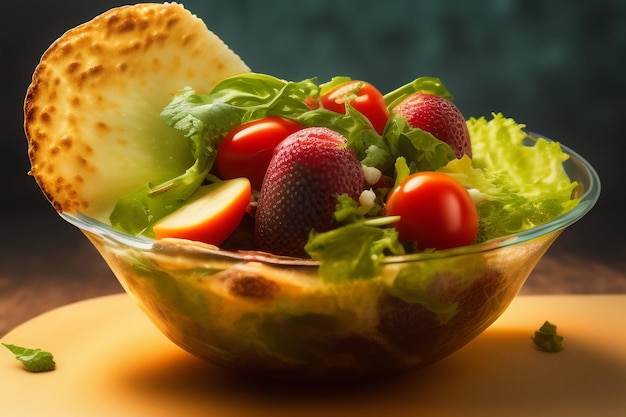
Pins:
<point x="522" y="181"/>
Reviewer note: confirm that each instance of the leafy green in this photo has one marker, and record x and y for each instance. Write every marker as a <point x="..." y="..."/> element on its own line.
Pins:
<point x="334" y="82"/>
<point x="546" y="338"/>
<point x="350" y="211"/>
<point x="34" y="360"/>
<point x="351" y="252"/>
<point x="420" y="149"/>
<point x="355" y="250"/>
<point x="427" y="84"/>
<point x="522" y="184"/>
<point x="402" y="170"/>
<point x="258" y="95"/>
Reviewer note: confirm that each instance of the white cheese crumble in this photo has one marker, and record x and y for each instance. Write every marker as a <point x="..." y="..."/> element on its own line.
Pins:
<point x="372" y="175"/>
<point x="476" y="195"/>
<point x="367" y="198"/>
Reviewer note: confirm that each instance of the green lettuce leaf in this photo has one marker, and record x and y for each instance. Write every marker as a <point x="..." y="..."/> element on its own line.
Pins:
<point x="352" y="252"/>
<point x="334" y="82"/>
<point x="428" y="84"/>
<point x="34" y="360"/>
<point x="420" y="149"/>
<point x="522" y="183"/>
<point x="546" y="338"/>
<point x="356" y="248"/>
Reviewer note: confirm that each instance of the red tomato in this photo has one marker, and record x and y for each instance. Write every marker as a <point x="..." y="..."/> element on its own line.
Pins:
<point x="435" y="211"/>
<point x="363" y="96"/>
<point x="247" y="150"/>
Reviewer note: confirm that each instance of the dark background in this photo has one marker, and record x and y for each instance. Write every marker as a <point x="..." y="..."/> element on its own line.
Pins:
<point x="557" y="66"/>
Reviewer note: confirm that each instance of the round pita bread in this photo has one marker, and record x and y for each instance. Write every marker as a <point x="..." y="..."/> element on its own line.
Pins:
<point x="92" y="111"/>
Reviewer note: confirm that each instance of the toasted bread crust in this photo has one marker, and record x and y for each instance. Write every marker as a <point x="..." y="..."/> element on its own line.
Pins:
<point x="80" y="102"/>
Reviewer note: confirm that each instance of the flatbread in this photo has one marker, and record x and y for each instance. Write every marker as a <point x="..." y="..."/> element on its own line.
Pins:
<point x="92" y="111"/>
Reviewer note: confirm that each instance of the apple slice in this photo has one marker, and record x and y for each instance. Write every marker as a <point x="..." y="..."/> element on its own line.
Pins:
<point x="210" y="215"/>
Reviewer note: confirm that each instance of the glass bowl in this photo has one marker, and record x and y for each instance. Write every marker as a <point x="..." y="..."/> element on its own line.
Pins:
<point x="275" y="317"/>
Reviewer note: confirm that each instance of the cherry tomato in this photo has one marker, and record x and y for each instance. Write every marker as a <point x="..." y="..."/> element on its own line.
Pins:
<point x="246" y="151"/>
<point x="435" y="211"/>
<point x="363" y="96"/>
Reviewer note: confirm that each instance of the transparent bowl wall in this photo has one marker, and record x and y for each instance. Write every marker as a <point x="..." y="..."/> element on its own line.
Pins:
<point x="275" y="317"/>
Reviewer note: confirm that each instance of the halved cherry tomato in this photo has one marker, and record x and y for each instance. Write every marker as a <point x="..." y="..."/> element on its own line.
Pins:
<point x="246" y="151"/>
<point x="435" y="211"/>
<point x="363" y="96"/>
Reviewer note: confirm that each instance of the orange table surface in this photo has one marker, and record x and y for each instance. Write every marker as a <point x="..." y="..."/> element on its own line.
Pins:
<point x="111" y="361"/>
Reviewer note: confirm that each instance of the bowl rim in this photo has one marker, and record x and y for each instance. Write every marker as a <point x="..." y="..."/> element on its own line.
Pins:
<point x="588" y="189"/>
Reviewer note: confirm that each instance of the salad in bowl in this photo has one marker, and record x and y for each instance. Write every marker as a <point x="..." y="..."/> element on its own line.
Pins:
<point x="300" y="229"/>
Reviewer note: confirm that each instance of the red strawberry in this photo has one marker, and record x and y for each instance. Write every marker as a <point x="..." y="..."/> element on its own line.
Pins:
<point x="439" y="117"/>
<point x="310" y="169"/>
